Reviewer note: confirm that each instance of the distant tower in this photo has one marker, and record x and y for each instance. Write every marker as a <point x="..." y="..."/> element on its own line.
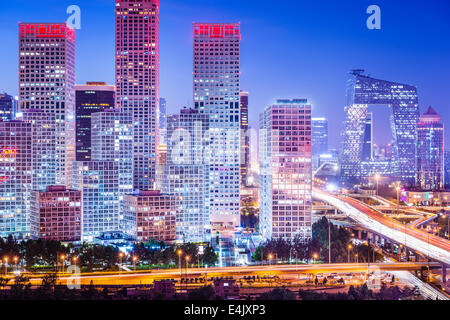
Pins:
<point x="430" y="150"/>
<point x="319" y="139"/>
<point x="8" y="106"/>
<point x="245" y="139"/>
<point x="286" y="172"/>
<point x="90" y="98"/>
<point x="137" y="81"/>
<point x="46" y="83"/>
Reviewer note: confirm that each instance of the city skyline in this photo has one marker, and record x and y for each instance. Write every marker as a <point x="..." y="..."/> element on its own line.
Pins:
<point x="377" y="52"/>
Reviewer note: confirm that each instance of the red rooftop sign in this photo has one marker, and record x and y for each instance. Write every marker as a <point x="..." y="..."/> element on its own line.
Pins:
<point x="46" y="30"/>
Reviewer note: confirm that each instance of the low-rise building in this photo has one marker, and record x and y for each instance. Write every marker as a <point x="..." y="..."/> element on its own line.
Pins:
<point x="56" y="214"/>
<point x="151" y="215"/>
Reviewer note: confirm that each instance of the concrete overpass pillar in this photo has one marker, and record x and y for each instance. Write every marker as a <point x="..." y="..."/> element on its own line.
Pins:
<point x="444" y="273"/>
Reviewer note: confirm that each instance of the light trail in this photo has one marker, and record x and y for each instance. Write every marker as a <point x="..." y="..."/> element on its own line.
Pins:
<point x="434" y="247"/>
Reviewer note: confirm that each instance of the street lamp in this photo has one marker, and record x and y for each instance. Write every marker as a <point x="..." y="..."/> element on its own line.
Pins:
<point x="270" y="256"/>
<point x="315" y="256"/>
<point x="5" y="260"/>
<point x="74" y="259"/>
<point x="377" y="177"/>
<point x="356" y="256"/>
<point x="349" y="247"/>
<point x="397" y="188"/>
<point x="63" y="258"/>
<point x="134" y="262"/>
<point x="180" y="252"/>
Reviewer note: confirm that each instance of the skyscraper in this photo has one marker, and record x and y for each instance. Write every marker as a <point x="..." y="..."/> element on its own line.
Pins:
<point x="430" y="151"/>
<point x="286" y="171"/>
<point x="402" y="101"/>
<point x="367" y="148"/>
<point x="15" y="178"/>
<point x="245" y="139"/>
<point x="217" y="94"/>
<point x="8" y="106"/>
<point x="162" y="121"/>
<point x="89" y="98"/>
<point x="186" y="175"/>
<point x="46" y="83"/>
<point x="98" y="182"/>
<point x="319" y="139"/>
<point x="447" y="168"/>
<point x="137" y="81"/>
<point x="112" y="140"/>
<point x="43" y="147"/>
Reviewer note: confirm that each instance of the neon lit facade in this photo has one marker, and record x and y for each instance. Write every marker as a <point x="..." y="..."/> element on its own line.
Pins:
<point x="44" y="161"/>
<point x="137" y="81"/>
<point x="186" y="175"/>
<point x="402" y="101"/>
<point x="16" y="178"/>
<point x="216" y="79"/>
<point x="430" y="151"/>
<point x="98" y="182"/>
<point x="56" y="214"/>
<point x="46" y="83"/>
<point x="112" y="140"/>
<point x="286" y="170"/>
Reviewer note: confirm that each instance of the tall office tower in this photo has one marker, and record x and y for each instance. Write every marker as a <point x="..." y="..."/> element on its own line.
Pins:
<point x="319" y="139"/>
<point x="15" y="178"/>
<point x="430" y="151"/>
<point x="46" y="82"/>
<point x="367" y="148"/>
<point x="245" y="138"/>
<point x="286" y="170"/>
<point x="89" y="98"/>
<point x="8" y="106"/>
<point x="217" y="94"/>
<point x="152" y="215"/>
<point x="402" y="101"/>
<point x="112" y="140"/>
<point x="447" y="168"/>
<point x="98" y="182"/>
<point x="162" y="121"/>
<point x="186" y="175"/>
<point x="56" y="214"/>
<point x="137" y="81"/>
<point x="44" y="162"/>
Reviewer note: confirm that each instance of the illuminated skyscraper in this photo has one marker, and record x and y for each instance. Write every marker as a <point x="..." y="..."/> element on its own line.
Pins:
<point x="162" y="121"/>
<point x="217" y="94"/>
<point x="245" y="139"/>
<point x="89" y="98"/>
<point x="15" y="178"/>
<point x="44" y="162"/>
<point x="137" y="81"/>
<point x="112" y="140"/>
<point x="430" y="150"/>
<point x="98" y="182"/>
<point x="319" y="139"/>
<point x="8" y="106"/>
<point x="46" y="83"/>
<point x="186" y="175"/>
<point x="402" y="101"/>
<point x="286" y="170"/>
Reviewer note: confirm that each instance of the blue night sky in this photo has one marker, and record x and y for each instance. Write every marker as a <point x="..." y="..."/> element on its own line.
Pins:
<point x="290" y="48"/>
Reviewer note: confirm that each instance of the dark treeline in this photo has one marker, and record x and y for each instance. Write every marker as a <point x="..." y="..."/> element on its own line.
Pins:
<point x="48" y="253"/>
